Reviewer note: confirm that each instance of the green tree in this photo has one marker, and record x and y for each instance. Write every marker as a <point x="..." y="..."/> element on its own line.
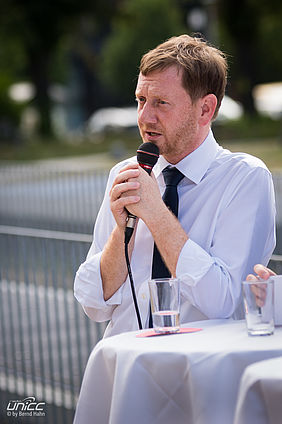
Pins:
<point x="31" y="32"/>
<point x="139" y="26"/>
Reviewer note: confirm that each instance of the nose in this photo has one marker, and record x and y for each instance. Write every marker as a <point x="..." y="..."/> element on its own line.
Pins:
<point x="147" y="115"/>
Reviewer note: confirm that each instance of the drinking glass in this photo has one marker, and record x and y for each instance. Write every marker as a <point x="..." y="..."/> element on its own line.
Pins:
<point x="259" y="307"/>
<point x="165" y="304"/>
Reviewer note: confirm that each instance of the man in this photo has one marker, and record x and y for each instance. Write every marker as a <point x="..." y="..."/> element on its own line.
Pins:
<point x="226" y="212"/>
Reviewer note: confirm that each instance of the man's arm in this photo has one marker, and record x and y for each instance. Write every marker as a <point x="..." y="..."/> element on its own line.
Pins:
<point x="165" y="228"/>
<point x="168" y="235"/>
<point x="113" y="265"/>
<point x="105" y="267"/>
<point x="139" y="193"/>
<point x="243" y="233"/>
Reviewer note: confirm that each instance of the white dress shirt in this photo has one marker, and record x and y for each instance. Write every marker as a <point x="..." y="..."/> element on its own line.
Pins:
<point x="227" y="208"/>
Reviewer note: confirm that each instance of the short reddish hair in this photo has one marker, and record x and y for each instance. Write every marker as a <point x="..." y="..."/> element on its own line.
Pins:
<point x="204" y="67"/>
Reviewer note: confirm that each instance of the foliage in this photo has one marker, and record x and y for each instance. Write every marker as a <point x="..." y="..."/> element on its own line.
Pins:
<point x="46" y="42"/>
<point x="250" y="32"/>
<point x="32" y="32"/>
<point x="249" y="127"/>
<point x="139" y="26"/>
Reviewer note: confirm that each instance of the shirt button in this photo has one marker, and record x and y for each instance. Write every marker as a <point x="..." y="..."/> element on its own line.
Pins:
<point x="143" y="296"/>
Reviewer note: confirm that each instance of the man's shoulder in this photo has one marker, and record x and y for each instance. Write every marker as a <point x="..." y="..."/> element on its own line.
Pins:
<point x="244" y="161"/>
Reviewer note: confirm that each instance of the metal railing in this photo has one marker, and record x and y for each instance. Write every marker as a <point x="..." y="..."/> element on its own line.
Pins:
<point x="51" y="198"/>
<point x="46" y="222"/>
<point x="45" y="337"/>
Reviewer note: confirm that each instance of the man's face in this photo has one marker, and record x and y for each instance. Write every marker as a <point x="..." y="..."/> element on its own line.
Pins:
<point x="166" y="115"/>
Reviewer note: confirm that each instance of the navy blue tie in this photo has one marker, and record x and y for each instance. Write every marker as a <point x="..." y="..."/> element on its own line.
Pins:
<point x="172" y="178"/>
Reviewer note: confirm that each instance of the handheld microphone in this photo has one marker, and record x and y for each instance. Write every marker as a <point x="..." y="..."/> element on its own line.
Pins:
<point x="147" y="157"/>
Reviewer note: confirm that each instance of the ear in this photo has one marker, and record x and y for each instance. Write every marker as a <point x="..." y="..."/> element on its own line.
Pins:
<point x="208" y="105"/>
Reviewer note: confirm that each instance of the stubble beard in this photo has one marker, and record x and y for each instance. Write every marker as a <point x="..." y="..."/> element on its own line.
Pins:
<point x="181" y="144"/>
<point x="178" y="145"/>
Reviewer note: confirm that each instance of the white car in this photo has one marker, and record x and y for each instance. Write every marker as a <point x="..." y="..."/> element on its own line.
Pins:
<point x="112" y="118"/>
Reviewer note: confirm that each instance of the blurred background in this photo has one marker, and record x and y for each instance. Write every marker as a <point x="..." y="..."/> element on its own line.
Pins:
<point x="68" y="71"/>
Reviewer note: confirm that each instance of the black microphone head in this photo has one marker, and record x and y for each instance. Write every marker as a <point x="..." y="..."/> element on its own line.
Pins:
<point x="147" y="155"/>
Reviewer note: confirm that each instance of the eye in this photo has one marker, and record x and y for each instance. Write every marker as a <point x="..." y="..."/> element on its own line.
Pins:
<point x="162" y="102"/>
<point x="140" y="100"/>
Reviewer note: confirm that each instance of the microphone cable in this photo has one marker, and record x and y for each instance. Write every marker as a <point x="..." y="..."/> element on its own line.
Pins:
<point x="126" y="241"/>
<point x="147" y="157"/>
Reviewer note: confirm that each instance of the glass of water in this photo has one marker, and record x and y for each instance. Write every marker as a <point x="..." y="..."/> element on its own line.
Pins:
<point x="165" y="304"/>
<point x="259" y="307"/>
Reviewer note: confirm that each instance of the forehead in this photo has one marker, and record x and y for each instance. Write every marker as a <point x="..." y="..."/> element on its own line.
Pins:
<point x="161" y="82"/>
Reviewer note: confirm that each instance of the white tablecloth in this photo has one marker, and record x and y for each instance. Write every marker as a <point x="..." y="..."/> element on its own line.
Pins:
<point x="183" y="378"/>
<point x="260" y="394"/>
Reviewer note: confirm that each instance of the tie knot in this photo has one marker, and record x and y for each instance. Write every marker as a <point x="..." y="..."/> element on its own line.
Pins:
<point x="172" y="176"/>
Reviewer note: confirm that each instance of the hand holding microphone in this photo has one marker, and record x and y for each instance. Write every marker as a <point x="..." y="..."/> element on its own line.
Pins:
<point x="123" y="194"/>
<point x="147" y="157"/>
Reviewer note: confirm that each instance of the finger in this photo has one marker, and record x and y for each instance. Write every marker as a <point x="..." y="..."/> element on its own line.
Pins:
<point x="260" y="302"/>
<point x="123" y="202"/>
<point x="263" y="272"/>
<point x="272" y="273"/>
<point x="251" y="277"/>
<point x="260" y="298"/>
<point x="119" y="189"/>
<point x="259" y="292"/>
<point x="125" y="175"/>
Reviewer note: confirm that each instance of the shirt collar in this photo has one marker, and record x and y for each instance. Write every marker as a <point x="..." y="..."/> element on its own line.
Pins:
<point x="195" y="165"/>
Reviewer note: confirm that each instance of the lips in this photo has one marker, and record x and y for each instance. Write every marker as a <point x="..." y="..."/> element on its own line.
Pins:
<point x="152" y="133"/>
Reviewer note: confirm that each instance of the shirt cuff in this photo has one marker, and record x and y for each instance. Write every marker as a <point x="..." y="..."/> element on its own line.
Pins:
<point x="193" y="263"/>
<point x="88" y="288"/>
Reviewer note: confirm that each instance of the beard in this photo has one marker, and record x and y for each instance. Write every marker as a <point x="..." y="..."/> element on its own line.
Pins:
<point x="178" y="134"/>
<point x="180" y="143"/>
